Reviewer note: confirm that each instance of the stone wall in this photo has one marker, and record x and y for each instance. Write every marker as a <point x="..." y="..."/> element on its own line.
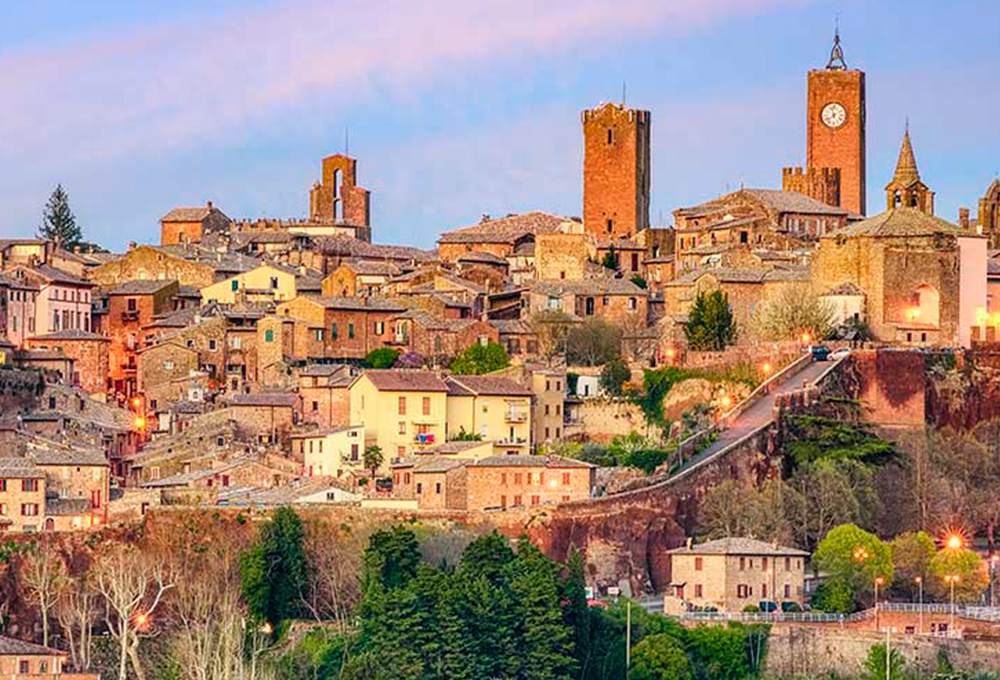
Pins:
<point x="811" y="651"/>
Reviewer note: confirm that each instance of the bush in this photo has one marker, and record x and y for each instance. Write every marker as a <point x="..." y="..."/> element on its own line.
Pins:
<point x="478" y="359"/>
<point x="383" y="357"/>
<point x="660" y="657"/>
<point x="614" y="374"/>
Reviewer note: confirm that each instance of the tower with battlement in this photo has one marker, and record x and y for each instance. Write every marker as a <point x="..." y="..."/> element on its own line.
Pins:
<point x="616" y="158"/>
<point x="338" y="199"/>
<point x="823" y="184"/>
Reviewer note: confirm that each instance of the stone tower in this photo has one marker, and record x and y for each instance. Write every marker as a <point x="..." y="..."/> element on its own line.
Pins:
<point x="906" y="190"/>
<point x="835" y="126"/>
<point x="338" y="199"/>
<point x="615" y="171"/>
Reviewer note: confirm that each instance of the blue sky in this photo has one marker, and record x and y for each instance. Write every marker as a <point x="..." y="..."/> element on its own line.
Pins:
<point x="457" y="108"/>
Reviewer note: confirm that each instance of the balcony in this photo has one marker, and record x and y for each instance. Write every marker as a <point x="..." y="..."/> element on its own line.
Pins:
<point x="424" y="438"/>
<point x="130" y="315"/>
<point x="516" y="416"/>
<point x="516" y="441"/>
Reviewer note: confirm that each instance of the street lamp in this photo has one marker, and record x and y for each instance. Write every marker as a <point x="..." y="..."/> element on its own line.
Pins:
<point x="952" y="579"/>
<point x="954" y="541"/>
<point x="878" y="581"/>
<point x="920" y="585"/>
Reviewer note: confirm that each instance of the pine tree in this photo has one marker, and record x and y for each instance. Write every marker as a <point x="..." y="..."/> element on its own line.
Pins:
<point x="546" y="641"/>
<point x="58" y="222"/>
<point x="577" y="611"/>
<point x="710" y="326"/>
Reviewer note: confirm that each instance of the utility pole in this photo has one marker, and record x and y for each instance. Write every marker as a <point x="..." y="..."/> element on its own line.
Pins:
<point x="628" y="637"/>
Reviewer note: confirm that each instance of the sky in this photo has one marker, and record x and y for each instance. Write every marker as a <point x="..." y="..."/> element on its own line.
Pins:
<point x="459" y="108"/>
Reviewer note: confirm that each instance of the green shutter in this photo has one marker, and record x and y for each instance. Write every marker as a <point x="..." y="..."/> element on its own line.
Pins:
<point x="269" y="335"/>
<point x="350" y="330"/>
<point x="333" y="331"/>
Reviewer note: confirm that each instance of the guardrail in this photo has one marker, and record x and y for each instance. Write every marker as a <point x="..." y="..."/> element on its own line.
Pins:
<point x="772" y="617"/>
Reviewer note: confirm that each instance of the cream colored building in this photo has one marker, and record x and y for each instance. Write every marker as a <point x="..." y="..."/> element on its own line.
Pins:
<point x="731" y="573"/>
<point x="266" y="282"/>
<point x="403" y="412"/>
<point x="549" y="388"/>
<point x="336" y="452"/>
<point x="497" y="409"/>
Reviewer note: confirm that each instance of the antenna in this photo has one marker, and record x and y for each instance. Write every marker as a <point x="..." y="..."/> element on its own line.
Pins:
<point x="623" y="94"/>
<point x="347" y="141"/>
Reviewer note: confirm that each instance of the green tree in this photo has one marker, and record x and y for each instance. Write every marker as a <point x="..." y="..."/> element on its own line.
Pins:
<point x="478" y="359"/>
<point x="546" y="642"/>
<point x="710" y="326"/>
<point x="854" y="558"/>
<point x="273" y="570"/>
<point x="576" y="611"/>
<point x="391" y="558"/>
<point x="614" y="374"/>
<point x="373" y="459"/>
<point x="383" y="357"/>
<point x="967" y="565"/>
<point x="720" y="653"/>
<point x="610" y="260"/>
<point x="877" y="668"/>
<point x="58" y="222"/>
<point x="912" y="554"/>
<point x="660" y="657"/>
<point x="639" y="281"/>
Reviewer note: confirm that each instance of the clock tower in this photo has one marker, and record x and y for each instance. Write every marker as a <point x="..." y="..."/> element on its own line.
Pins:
<point x="835" y="126"/>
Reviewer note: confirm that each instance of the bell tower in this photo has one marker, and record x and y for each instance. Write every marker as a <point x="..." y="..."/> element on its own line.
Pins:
<point x="835" y="125"/>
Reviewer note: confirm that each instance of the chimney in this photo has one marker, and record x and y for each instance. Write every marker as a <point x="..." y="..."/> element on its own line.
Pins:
<point x="131" y="245"/>
<point x="210" y="206"/>
<point x="963" y="218"/>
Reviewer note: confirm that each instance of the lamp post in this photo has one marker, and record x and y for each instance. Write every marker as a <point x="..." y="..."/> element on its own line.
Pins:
<point x="952" y="579"/>
<point x="920" y="611"/>
<point x="878" y="581"/>
<point x="993" y="563"/>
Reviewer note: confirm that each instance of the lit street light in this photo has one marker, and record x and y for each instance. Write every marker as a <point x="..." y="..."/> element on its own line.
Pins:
<point x="920" y="584"/>
<point x="952" y="579"/>
<point x="954" y="541"/>
<point x="878" y="581"/>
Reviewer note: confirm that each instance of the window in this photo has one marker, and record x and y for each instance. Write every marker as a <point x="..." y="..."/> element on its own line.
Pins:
<point x="235" y="284"/>
<point x="29" y="485"/>
<point x="763" y="590"/>
<point x="558" y="409"/>
<point x="503" y="501"/>
<point x="788" y="590"/>
<point x="354" y="453"/>
<point x="610" y="138"/>
<point x="24" y="666"/>
<point x="565" y="478"/>
<point x="546" y="433"/>
<point x="558" y="385"/>
<point x="697" y="590"/>
<point x="437" y="488"/>
<point x="168" y="365"/>
<point x="379" y="327"/>
<point x="517" y="478"/>
<point x="743" y="563"/>
<point x="557" y="433"/>
<point x="743" y="591"/>
<point x="130" y="304"/>
<point x="235" y="342"/>
<point x="274" y="283"/>
<point x="333" y="331"/>
<point x="402" y="427"/>
<point x="611" y="226"/>
<point x="402" y="406"/>
<point x="320" y="335"/>
<point x="269" y="335"/>
<point x="29" y="509"/>
<point x="788" y="564"/>
<point x="517" y="499"/>
<point x="350" y="330"/>
<point x="546" y="409"/>
<point x="699" y="563"/>
<point x="635" y="262"/>
<point x="764" y="564"/>
<point x="427" y="406"/>
<point x="503" y="478"/>
<point x="535" y="500"/>
<point x="225" y="480"/>
<point x="420" y="487"/>
<point x="212" y="345"/>
<point x="3" y="484"/>
<point x="743" y="237"/>
<point x="315" y="406"/>
<point x="632" y="304"/>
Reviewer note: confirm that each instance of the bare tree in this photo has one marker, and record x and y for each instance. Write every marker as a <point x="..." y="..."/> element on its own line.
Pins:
<point x="335" y="561"/>
<point x="791" y="310"/>
<point x="132" y="586"/>
<point x="44" y="573"/>
<point x="76" y="610"/>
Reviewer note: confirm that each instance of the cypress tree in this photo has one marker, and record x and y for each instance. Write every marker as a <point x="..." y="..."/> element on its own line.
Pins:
<point x="546" y="640"/>
<point x="58" y="222"/>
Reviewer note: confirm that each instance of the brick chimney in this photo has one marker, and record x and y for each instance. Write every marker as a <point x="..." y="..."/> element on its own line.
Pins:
<point x="963" y="218"/>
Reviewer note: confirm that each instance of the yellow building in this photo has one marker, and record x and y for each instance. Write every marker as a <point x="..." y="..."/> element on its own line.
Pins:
<point x="732" y="573"/>
<point x="402" y="411"/>
<point x="331" y="453"/>
<point x="262" y="284"/>
<point x="497" y="409"/>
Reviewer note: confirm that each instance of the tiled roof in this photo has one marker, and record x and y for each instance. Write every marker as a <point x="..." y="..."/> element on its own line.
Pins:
<point x="141" y="287"/>
<point x="901" y="222"/>
<point x="324" y="433"/>
<point x="19" y="468"/>
<point x="485" y="385"/>
<point x="845" y="288"/>
<point x="359" y="303"/>
<point x="72" y="334"/>
<point x="531" y="461"/>
<point x="481" y="256"/>
<point x="68" y="506"/>
<point x="347" y="246"/>
<point x="793" y="202"/>
<point x="284" y="399"/>
<point x="506" y="229"/>
<point x="325" y="370"/>
<point x="57" y="275"/>
<point x="739" y="546"/>
<point x="406" y="380"/>
<point x="587" y="287"/>
<point x="187" y="214"/>
<point x="512" y="326"/>
<point x="13" y="647"/>
<point x="83" y="457"/>
<point x="453" y="447"/>
<point x="371" y="268"/>
<point x="722" y="274"/>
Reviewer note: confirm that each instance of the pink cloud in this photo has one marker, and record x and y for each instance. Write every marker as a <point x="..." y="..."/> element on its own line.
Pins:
<point x="211" y="80"/>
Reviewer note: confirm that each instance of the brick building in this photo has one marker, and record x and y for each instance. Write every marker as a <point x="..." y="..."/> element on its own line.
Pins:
<point x="732" y="573"/>
<point x="835" y="136"/>
<point x="348" y="327"/>
<point x="162" y="372"/>
<point x="265" y="417"/>
<point x="615" y="301"/>
<point x="89" y="351"/>
<point x="512" y="481"/>
<point x="616" y="169"/>
<point x="501" y="236"/>
<point x="191" y="225"/>
<point x="988" y="218"/>
<point x="924" y="279"/>
<point x="326" y="400"/>
<point x="338" y="199"/>
<point x="359" y="277"/>
<point x="435" y="338"/>
<point x="132" y="305"/>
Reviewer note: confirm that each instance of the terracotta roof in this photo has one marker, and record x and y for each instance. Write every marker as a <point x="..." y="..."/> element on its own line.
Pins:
<point x="739" y="546"/>
<point x="57" y="275"/>
<point x="371" y="268"/>
<point x="506" y="229"/>
<point x="284" y="399"/>
<point x="481" y="256"/>
<point x="358" y="303"/>
<point x="187" y="214"/>
<point x="352" y="247"/>
<point x="587" y="287"/>
<point x="531" y="461"/>
<point x="512" y="326"/>
<point x="793" y="202"/>
<point x="138" y="287"/>
<point x="20" y="468"/>
<point x="901" y="222"/>
<point x="67" y="456"/>
<point x="405" y="380"/>
<point x="485" y="385"/>
<point x="71" y="334"/>
<point x="845" y="288"/>
<point x="453" y="447"/>
<point x="13" y="647"/>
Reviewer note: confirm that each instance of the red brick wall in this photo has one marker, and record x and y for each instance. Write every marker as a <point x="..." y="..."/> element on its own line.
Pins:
<point x="175" y="233"/>
<point x="365" y="339"/>
<point x="843" y="147"/>
<point x="490" y="487"/>
<point x="91" y="358"/>
<point x="615" y="172"/>
<point x="332" y="405"/>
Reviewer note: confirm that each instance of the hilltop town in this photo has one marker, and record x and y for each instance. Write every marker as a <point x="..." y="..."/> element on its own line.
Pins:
<point x="627" y="397"/>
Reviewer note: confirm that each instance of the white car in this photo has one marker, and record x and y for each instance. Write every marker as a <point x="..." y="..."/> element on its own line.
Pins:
<point x="839" y="354"/>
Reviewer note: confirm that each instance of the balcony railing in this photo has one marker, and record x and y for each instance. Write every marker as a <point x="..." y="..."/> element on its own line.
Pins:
<point x="516" y="416"/>
<point x="424" y="438"/>
<point x="516" y="441"/>
<point x="130" y="315"/>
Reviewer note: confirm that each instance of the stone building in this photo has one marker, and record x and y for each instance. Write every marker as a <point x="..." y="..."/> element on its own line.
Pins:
<point x="338" y="199"/>
<point x="615" y="301"/>
<point x="835" y="136"/>
<point x="988" y="219"/>
<point x="924" y="279"/>
<point x="512" y="481"/>
<point x="22" y="496"/>
<point x="730" y="574"/>
<point x="616" y="170"/>
<point x="20" y="659"/>
<point x="326" y="399"/>
<point x="17" y="309"/>
<point x="334" y="452"/>
<point x="190" y="225"/>
<point x="436" y="338"/>
<point x="359" y="277"/>
<point x="132" y="305"/>
<point x="501" y="236"/>
<point x="143" y="263"/>
<point x="89" y="351"/>
<point x="348" y="327"/>
<point x="906" y="190"/>
<point x="265" y="417"/>
<point x="162" y="372"/>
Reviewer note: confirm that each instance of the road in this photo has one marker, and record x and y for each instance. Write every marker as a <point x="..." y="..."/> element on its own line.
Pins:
<point x="760" y="413"/>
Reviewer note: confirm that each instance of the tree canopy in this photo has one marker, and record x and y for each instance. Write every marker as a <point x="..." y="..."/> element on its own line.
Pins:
<point x="711" y="326"/>
<point x="383" y="357"/>
<point x="59" y="222"/>
<point x="478" y="359"/>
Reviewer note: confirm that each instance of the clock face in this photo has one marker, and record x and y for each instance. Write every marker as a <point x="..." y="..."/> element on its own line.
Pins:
<point x="834" y="115"/>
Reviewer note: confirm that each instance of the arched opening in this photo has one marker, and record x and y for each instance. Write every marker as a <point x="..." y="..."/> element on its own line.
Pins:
<point x="897" y="199"/>
<point x="926" y="307"/>
<point x="50" y="524"/>
<point x="913" y="200"/>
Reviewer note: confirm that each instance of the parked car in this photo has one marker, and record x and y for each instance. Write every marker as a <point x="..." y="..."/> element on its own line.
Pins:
<point x="839" y="354"/>
<point x="820" y="352"/>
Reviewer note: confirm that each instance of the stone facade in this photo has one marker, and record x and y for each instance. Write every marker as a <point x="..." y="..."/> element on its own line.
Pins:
<point x="349" y="328"/>
<point x="22" y="496"/>
<point x="512" y="481"/>
<point x="89" y="352"/>
<point x="616" y="169"/>
<point x="560" y="256"/>
<point x="132" y="305"/>
<point x="144" y="263"/>
<point x="988" y="220"/>
<point x="191" y="225"/>
<point x="326" y="400"/>
<point x="906" y="190"/>
<point x="162" y="372"/>
<point x="338" y="198"/>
